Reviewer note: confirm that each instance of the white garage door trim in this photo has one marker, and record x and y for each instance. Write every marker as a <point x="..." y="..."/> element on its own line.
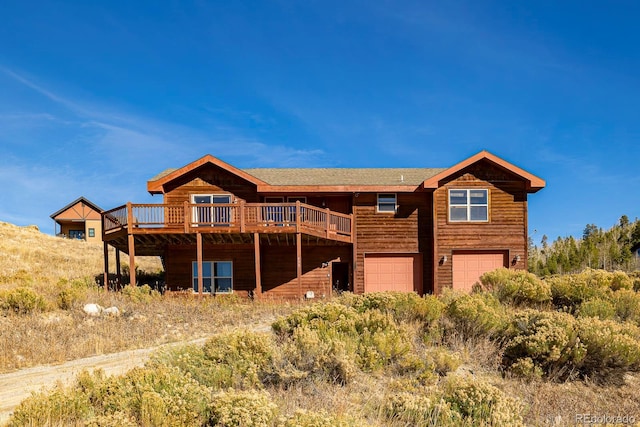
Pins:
<point x="392" y="272"/>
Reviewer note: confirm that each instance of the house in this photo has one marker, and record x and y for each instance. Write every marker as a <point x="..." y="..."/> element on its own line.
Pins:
<point x="79" y="219"/>
<point x="305" y="232"/>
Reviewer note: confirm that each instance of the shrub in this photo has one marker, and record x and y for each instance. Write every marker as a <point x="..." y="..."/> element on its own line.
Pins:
<point x="570" y="290"/>
<point x="419" y="409"/>
<point x="612" y="349"/>
<point x="22" y="300"/>
<point x="475" y="315"/>
<point x="480" y="403"/>
<point x="403" y="306"/>
<point x="59" y="406"/>
<point x="140" y="294"/>
<point x="596" y="307"/>
<point x="627" y="305"/>
<point x="516" y="287"/>
<point x="549" y="340"/>
<point x="242" y="408"/>
<point x="302" y="418"/>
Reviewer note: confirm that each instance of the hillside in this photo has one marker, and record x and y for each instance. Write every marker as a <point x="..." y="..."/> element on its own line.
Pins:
<point x="28" y="256"/>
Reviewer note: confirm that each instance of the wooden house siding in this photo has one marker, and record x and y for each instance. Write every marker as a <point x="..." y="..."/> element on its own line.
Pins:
<point x="505" y="230"/>
<point x="209" y="179"/>
<point x="406" y="231"/>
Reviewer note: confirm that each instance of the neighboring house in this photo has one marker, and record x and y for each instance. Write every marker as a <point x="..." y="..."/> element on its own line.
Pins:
<point x="635" y="250"/>
<point x="80" y="219"/>
<point x="303" y="232"/>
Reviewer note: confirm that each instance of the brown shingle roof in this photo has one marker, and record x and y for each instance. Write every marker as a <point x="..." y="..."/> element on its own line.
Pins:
<point x="337" y="176"/>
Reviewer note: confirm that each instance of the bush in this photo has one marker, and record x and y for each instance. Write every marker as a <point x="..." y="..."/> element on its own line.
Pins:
<point x="480" y="403"/>
<point x="419" y="409"/>
<point x="476" y="315"/>
<point x="302" y="418"/>
<point x="597" y="307"/>
<point x="242" y="408"/>
<point x="516" y="287"/>
<point x="612" y="349"/>
<point x="55" y="407"/>
<point x="548" y="340"/>
<point x="627" y="305"/>
<point x="140" y="294"/>
<point x="22" y="300"/>
<point x="571" y="290"/>
<point x="403" y="306"/>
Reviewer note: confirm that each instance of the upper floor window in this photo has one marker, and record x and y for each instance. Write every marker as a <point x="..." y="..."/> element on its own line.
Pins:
<point x="387" y="202"/>
<point x="468" y="205"/>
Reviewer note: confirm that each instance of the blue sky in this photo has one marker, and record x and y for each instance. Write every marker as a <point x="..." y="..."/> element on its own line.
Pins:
<point x="97" y="97"/>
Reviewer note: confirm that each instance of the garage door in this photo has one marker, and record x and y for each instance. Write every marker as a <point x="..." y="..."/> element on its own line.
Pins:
<point x="468" y="267"/>
<point x="391" y="272"/>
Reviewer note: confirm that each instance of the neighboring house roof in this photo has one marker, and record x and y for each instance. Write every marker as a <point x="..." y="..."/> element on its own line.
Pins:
<point x="346" y="179"/>
<point x="78" y="200"/>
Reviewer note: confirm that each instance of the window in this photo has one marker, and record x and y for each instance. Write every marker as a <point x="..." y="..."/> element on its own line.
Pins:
<point x="217" y="276"/>
<point x="466" y="205"/>
<point x="387" y="203"/>
<point x="92" y="232"/>
<point x="76" y="234"/>
<point x="209" y="214"/>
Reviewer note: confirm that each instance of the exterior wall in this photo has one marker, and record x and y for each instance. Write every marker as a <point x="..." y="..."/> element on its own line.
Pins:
<point x="80" y="217"/>
<point x="210" y="179"/>
<point x="97" y="228"/>
<point x="278" y="267"/>
<point x="506" y="229"/>
<point x="409" y="230"/>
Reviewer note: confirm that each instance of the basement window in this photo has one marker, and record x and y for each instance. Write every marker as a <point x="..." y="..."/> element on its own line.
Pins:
<point x="387" y="203"/>
<point x="217" y="276"/>
<point x="468" y="205"/>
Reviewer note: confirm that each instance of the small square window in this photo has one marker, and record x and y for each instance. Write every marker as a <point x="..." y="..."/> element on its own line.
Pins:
<point x="387" y="203"/>
<point x="92" y="232"/>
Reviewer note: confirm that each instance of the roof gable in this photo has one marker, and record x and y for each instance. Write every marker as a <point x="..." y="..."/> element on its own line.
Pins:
<point x="533" y="182"/>
<point x="156" y="184"/>
<point x="75" y="202"/>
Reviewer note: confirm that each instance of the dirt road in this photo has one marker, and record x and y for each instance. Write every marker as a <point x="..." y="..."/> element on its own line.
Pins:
<point x="16" y="386"/>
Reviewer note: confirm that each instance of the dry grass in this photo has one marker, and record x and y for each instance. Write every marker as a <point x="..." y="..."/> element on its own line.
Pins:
<point x="45" y="263"/>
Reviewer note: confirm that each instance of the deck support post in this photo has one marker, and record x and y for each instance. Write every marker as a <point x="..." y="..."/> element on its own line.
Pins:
<point x="299" y="262"/>
<point x="132" y="260"/>
<point x="105" y="277"/>
<point x="199" y="261"/>
<point x="256" y="247"/>
<point x="118" y="270"/>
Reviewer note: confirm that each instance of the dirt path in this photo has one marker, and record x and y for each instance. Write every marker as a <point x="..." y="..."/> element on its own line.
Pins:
<point x="16" y="386"/>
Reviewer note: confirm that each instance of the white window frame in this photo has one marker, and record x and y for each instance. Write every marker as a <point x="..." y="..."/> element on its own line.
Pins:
<point x="468" y="205"/>
<point x="395" y="203"/>
<point x="213" y="277"/>
<point x="212" y="210"/>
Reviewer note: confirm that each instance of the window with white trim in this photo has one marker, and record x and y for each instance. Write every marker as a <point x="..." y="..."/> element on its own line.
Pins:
<point x="387" y="202"/>
<point x="468" y="205"/>
<point x="217" y="276"/>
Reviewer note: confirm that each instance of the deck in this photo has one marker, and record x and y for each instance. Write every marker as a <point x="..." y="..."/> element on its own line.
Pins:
<point x="227" y="222"/>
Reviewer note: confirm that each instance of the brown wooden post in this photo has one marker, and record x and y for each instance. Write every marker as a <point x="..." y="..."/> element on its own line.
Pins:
<point x="242" y="202"/>
<point x="132" y="260"/>
<point x="118" y="269"/>
<point x="299" y="261"/>
<point x="327" y="221"/>
<point x="256" y="248"/>
<point x="105" y="277"/>
<point x="298" y="217"/>
<point x="186" y="216"/>
<point x="199" y="261"/>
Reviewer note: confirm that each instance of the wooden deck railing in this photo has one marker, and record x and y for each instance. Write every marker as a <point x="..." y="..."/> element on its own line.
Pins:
<point x="230" y="217"/>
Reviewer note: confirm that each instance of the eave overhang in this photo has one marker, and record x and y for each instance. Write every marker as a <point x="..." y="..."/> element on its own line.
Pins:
<point x="533" y="183"/>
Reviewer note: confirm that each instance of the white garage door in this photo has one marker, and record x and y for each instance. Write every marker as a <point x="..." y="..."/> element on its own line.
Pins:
<point x="468" y="267"/>
<point x="391" y="272"/>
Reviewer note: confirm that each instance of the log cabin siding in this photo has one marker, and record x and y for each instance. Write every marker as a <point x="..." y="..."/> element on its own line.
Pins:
<point x="409" y="230"/>
<point x="209" y="179"/>
<point x="506" y="229"/>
